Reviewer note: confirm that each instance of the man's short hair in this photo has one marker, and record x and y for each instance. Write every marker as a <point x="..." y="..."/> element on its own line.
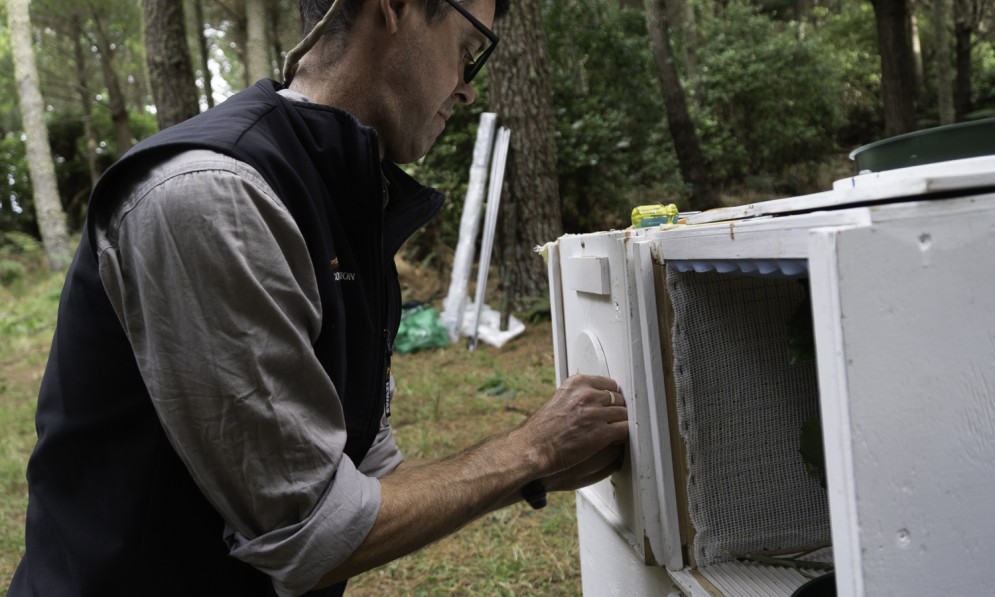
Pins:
<point x="313" y="10"/>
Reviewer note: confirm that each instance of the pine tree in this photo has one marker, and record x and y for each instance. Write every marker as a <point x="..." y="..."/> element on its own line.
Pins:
<point x="50" y="216"/>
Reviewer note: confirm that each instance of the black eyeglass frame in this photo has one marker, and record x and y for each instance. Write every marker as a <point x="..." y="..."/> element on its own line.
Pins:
<point x="474" y="67"/>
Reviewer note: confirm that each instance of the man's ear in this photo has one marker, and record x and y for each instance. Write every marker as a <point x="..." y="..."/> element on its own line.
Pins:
<point x="393" y="11"/>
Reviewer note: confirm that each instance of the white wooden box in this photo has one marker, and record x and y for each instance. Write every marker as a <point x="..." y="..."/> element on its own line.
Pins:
<point x="901" y="271"/>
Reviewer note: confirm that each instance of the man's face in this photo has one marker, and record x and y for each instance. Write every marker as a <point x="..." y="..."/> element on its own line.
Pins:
<point x="428" y="73"/>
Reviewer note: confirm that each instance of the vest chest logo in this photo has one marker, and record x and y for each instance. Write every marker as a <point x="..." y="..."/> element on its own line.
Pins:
<point x="341" y="276"/>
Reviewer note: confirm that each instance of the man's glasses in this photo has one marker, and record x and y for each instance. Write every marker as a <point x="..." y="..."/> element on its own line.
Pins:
<point x="478" y="61"/>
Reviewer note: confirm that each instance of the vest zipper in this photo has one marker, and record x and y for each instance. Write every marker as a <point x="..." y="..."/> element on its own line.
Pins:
<point x="387" y="352"/>
<point x="390" y="354"/>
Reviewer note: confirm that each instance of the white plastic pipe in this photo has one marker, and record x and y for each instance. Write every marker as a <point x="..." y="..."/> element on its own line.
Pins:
<point x="490" y="224"/>
<point x="455" y="303"/>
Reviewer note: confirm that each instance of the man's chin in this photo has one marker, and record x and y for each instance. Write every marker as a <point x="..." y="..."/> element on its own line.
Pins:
<point x="410" y="155"/>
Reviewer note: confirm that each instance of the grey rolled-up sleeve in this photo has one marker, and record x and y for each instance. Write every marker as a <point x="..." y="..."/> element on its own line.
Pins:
<point x="212" y="281"/>
<point x="384" y="455"/>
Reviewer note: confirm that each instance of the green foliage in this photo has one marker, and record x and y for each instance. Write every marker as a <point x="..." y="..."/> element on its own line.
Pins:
<point x="28" y="307"/>
<point x="10" y="271"/>
<point x="497" y="386"/>
<point x="68" y="143"/>
<point x="16" y="249"/>
<point x="811" y="449"/>
<point x="58" y="24"/>
<point x="19" y="243"/>
<point x="849" y="39"/>
<point x="611" y="138"/>
<point x="9" y="115"/>
<point x="539" y="311"/>
<point x="16" y="208"/>
<point x="767" y="100"/>
<point x="801" y="333"/>
<point x="72" y="172"/>
<point x="770" y="110"/>
<point x="613" y="149"/>
<point x="983" y="83"/>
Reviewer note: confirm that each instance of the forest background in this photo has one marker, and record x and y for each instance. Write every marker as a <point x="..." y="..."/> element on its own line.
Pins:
<point x="612" y="104"/>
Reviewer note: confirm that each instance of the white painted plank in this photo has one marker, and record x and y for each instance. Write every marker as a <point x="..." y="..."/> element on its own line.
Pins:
<point x="666" y="537"/>
<point x="610" y="566"/>
<point x="601" y="319"/>
<point x="556" y="312"/>
<point x="587" y="274"/>
<point x="966" y="174"/>
<point x="835" y="411"/>
<point x="767" y="238"/>
<point x="916" y="301"/>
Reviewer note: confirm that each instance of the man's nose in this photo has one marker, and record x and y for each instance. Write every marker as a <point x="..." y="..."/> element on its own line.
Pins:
<point x="465" y="93"/>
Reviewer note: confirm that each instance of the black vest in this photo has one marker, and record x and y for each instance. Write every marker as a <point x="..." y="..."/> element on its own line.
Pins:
<point x="112" y="510"/>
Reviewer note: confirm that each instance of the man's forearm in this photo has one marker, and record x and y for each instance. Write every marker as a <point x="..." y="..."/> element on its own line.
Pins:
<point x="573" y="439"/>
<point x="423" y="503"/>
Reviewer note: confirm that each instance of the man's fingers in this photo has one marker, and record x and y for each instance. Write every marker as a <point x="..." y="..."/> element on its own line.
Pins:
<point x="618" y="431"/>
<point x="609" y="406"/>
<point x="586" y="414"/>
<point x="593" y="381"/>
<point x="614" y="397"/>
<point x="597" y="467"/>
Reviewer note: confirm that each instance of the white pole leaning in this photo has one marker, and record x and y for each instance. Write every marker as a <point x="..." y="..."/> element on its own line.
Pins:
<point x="454" y="305"/>
<point x="490" y="224"/>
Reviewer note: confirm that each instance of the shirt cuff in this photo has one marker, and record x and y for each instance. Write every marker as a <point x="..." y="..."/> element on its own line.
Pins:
<point x="383" y="456"/>
<point x="296" y="557"/>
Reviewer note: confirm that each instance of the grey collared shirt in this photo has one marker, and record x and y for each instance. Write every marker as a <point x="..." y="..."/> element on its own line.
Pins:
<point x="210" y="277"/>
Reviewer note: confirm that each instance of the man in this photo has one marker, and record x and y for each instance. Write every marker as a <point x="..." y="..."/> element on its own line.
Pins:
<point x="213" y="418"/>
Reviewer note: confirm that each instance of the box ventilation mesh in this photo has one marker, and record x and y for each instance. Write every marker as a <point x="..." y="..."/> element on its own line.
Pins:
<point x="741" y="406"/>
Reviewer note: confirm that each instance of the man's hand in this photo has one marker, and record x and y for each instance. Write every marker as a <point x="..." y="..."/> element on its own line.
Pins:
<point x="573" y="440"/>
<point x="590" y="471"/>
<point x="582" y="425"/>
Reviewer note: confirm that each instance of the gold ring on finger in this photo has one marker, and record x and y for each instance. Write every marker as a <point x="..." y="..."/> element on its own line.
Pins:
<point x="611" y="398"/>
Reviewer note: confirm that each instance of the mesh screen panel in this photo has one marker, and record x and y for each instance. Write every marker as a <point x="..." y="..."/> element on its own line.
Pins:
<point x="740" y="407"/>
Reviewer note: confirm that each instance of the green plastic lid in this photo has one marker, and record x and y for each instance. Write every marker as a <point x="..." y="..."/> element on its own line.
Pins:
<point x="939" y="144"/>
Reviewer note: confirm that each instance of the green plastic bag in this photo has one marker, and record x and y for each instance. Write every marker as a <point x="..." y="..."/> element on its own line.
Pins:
<point x="420" y="328"/>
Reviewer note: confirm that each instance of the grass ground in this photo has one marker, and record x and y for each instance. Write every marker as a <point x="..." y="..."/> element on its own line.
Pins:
<point x="28" y="302"/>
<point x="439" y="410"/>
<point x="447" y="399"/>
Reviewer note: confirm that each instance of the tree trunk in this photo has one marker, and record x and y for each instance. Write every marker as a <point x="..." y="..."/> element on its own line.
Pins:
<point x="944" y="80"/>
<point x="898" y="85"/>
<point x="48" y="206"/>
<point x="802" y="10"/>
<point x="963" y="34"/>
<point x="168" y="56"/>
<point x="681" y="18"/>
<point x="689" y="157"/>
<point x="275" y="14"/>
<point x="205" y="67"/>
<point x="85" y="100"/>
<point x="917" y="66"/>
<point x="521" y="95"/>
<point x="256" y="41"/>
<point x="115" y="97"/>
<point x="691" y="41"/>
<point x="241" y="38"/>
